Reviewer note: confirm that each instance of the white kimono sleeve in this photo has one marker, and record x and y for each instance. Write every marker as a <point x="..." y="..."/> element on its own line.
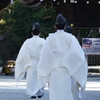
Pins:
<point x="76" y="63"/>
<point x="23" y="61"/>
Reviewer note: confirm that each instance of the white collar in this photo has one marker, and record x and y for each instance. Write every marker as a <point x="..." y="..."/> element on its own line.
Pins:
<point x="60" y="30"/>
<point x="35" y="36"/>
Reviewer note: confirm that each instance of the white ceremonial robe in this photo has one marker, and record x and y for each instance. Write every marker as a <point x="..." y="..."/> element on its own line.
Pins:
<point x="62" y="58"/>
<point x="27" y="61"/>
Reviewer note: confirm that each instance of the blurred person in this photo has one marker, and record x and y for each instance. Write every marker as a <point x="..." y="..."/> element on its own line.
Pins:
<point x="62" y="63"/>
<point x="27" y="61"/>
<point x="68" y="29"/>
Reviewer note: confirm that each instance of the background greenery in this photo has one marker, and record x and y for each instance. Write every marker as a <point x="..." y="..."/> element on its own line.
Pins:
<point x="16" y="23"/>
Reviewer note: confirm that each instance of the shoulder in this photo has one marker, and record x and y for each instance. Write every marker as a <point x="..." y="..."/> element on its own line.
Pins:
<point x="27" y="40"/>
<point x="70" y="35"/>
<point x="51" y="35"/>
<point x="50" y="38"/>
<point x="42" y="39"/>
<point x="73" y="37"/>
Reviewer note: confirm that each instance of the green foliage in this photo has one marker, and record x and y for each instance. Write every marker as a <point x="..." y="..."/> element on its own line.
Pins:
<point x="18" y="24"/>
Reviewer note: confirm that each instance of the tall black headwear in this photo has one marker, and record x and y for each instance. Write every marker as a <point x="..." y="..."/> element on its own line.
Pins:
<point x="60" y="19"/>
<point x="36" y="26"/>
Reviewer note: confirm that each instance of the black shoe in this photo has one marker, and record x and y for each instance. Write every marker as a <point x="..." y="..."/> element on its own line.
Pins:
<point x="34" y="97"/>
<point x="41" y="95"/>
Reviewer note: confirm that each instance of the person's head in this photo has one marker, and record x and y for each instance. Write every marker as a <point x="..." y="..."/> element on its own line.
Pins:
<point x="36" y="28"/>
<point x="60" y="22"/>
<point x="68" y="29"/>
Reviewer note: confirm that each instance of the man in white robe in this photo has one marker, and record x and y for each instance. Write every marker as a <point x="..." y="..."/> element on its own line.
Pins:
<point x="62" y="64"/>
<point x="27" y="61"/>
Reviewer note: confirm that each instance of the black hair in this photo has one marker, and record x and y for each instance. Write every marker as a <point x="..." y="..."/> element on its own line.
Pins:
<point x="60" y="26"/>
<point x="35" y="32"/>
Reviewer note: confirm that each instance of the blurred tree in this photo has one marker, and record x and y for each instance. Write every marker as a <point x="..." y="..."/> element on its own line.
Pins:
<point x="18" y="20"/>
